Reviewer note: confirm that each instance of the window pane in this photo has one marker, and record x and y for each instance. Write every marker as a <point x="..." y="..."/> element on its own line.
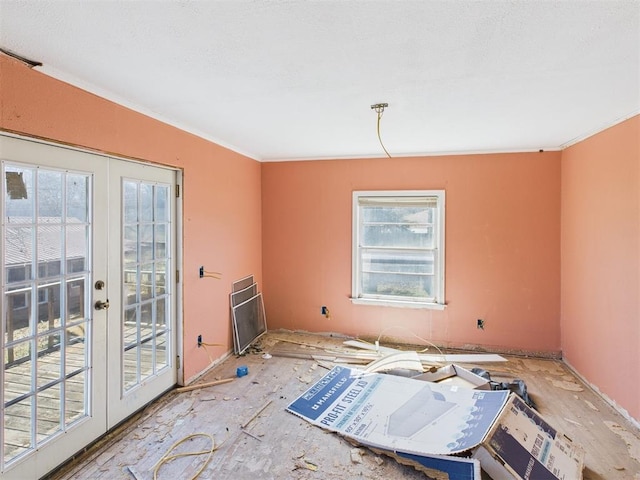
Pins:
<point x="49" y="412"/>
<point x="75" y="388"/>
<point x="146" y="360"/>
<point x="146" y="281"/>
<point x="18" y="375"/>
<point x="17" y="429"/>
<point x="161" y="352"/>
<point x="130" y="361"/>
<point x="146" y="243"/>
<point x="48" y="307"/>
<point x="18" y="318"/>
<point x="397" y="285"/>
<point x="398" y="214"/>
<point x="162" y="315"/>
<point x="160" y="242"/>
<point x="77" y="194"/>
<point x="146" y="202"/>
<point x="19" y="198"/>
<point x="162" y="198"/>
<point x="49" y="195"/>
<point x="146" y="320"/>
<point x="49" y="365"/>
<point x="18" y="255"/>
<point x="397" y="261"/>
<point x="130" y="331"/>
<point x="130" y="244"/>
<point x="75" y="299"/>
<point x="397" y="235"/>
<point x="77" y="248"/>
<point x="75" y="348"/>
<point x="130" y="286"/>
<point x="161" y="278"/>
<point x="130" y="202"/>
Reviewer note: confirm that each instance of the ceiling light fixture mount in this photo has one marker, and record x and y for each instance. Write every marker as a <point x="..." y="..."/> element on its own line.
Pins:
<point x="379" y="109"/>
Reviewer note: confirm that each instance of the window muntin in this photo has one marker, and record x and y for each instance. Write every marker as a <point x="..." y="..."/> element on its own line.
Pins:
<point x="398" y="247"/>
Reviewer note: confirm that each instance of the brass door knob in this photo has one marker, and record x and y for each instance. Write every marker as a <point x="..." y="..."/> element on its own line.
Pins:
<point x="102" y="305"/>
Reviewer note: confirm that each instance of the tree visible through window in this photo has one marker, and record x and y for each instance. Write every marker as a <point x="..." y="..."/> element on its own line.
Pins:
<point x="398" y="251"/>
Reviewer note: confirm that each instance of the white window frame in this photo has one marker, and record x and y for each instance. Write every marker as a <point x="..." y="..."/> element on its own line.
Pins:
<point x="357" y="296"/>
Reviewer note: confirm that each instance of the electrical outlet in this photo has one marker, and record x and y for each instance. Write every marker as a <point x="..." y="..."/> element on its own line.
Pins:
<point x="480" y="324"/>
<point x="201" y="272"/>
<point x="199" y="340"/>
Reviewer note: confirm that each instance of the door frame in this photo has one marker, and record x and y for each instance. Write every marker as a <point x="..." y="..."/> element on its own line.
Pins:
<point x="178" y="228"/>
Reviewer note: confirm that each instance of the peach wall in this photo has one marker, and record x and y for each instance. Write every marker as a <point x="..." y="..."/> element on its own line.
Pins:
<point x="502" y="248"/>
<point x="221" y="189"/>
<point x="600" y="287"/>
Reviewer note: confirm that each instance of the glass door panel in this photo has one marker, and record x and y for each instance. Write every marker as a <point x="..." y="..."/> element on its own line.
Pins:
<point x="145" y="254"/>
<point x="141" y="252"/>
<point x="46" y="292"/>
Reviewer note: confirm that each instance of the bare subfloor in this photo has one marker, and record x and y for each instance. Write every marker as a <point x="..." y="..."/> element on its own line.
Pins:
<point x="278" y="445"/>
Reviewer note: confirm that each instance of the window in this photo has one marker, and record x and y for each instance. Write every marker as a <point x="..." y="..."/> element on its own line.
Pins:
<point x="398" y="248"/>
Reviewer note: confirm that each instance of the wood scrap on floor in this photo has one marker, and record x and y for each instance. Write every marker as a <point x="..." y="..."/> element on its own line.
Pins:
<point x="204" y="385"/>
<point x="433" y="358"/>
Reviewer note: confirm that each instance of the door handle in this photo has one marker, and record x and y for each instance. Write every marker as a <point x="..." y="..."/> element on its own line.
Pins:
<point x="99" y="305"/>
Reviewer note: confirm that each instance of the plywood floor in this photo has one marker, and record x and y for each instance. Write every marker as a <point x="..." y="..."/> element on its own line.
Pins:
<point x="278" y="445"/>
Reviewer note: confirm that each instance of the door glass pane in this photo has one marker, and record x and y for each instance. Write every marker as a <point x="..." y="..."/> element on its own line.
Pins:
<point x="49" y="307"/>
<point x="49" y="412"/>
<point x="131" y="364"/>
<point x="146" y="255"/>
<point x="130" y="244"/>
<point x="130" y="330"/>
<point x="18" y="254"/>
<point x="77" y="191"/>
<point x="46" y="267"/>
<point x="49" y="364"/>
<point x="49" y="195"/>
<point x="18" y="425"/>
<point x="74" y="398"/>
<point x="75" y="351"/>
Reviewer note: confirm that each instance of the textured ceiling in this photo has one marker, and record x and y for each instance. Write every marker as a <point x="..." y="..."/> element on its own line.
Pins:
<point x="295" y="79"/>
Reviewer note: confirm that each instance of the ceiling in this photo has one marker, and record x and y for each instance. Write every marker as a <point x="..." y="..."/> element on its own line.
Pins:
<point x="295" y="79"/>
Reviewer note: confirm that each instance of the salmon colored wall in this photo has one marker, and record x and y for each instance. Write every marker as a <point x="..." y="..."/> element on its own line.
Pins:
<point x="502" y="248"/>
<point x="601" y="261"/>
<point x="221" y="189"/>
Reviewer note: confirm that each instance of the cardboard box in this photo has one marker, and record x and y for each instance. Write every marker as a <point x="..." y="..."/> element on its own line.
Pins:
<point x="455" y="375"/>
<point x="522" y="445"/>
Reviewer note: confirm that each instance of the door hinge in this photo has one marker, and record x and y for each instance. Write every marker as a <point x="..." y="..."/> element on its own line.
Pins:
<point x="177" y="276"/>
<point x="177" y="191"/>
<point x="177" y="361"/>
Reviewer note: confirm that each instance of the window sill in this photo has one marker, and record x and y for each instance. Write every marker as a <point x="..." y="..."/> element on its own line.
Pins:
<point x="398" y="303"/>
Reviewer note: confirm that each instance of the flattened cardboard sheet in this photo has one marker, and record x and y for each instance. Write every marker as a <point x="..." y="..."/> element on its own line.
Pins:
<point x="398" y="413"/>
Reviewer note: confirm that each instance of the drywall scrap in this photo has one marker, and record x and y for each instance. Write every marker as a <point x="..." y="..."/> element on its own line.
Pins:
<point x="425" y="423"/>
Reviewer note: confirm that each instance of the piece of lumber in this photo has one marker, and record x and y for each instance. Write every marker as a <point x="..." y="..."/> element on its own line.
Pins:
<point x="370" y="346"/>
<point x="204" y="385"/>
<point x="400" y="360"/>
<point x="435" y="358"/>
<point x="260" y="410"/>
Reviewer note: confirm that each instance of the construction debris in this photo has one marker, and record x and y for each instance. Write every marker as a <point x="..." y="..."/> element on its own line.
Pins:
<point x="204" y="385"/>
<point x="424" y="423"/>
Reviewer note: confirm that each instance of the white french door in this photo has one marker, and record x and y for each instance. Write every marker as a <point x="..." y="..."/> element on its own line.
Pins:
<point x="88" y="298"/>
<point x="141" y="271"/>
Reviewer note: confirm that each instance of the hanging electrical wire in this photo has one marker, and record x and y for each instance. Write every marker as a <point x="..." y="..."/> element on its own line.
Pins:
<point x="379" y="109"/>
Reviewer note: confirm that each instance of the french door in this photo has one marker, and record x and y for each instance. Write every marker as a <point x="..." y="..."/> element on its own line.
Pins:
<point x="88" y="298"/>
